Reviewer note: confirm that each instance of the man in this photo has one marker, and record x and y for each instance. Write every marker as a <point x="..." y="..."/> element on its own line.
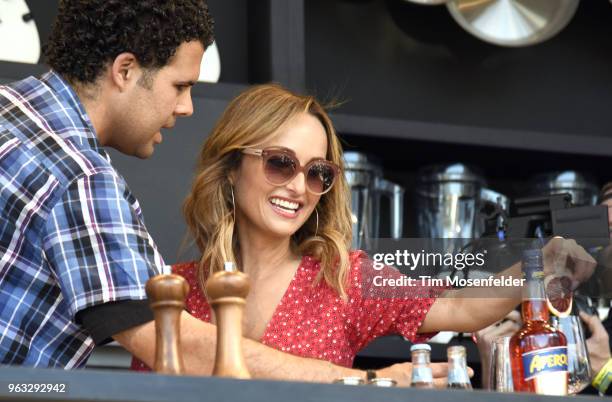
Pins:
<point x="74" y="252"/>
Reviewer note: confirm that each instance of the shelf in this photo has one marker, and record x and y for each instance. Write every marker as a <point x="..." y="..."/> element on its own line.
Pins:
<point x="380" y="127"/>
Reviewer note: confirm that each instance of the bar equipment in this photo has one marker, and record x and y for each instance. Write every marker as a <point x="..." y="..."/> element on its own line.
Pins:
<point x="513" y="23"/>
<point x="500" y="369"/>
<point x="227" y="291"/>
<point x="167" y="294"/>
<point x="580" y="186"/>
<point x="451" y="200"/>
<point x="578" y="364"/>
<point x="368" y="187"/>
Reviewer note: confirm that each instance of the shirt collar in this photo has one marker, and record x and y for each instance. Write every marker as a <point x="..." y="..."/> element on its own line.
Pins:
<point x="67" y="95"/>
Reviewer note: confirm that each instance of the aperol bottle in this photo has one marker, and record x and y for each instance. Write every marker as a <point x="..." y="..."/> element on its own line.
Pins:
<point x="538" y="350"/>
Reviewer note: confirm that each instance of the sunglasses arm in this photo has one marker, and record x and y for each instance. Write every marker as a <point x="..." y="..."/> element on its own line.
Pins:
<point x="253" y="151"/>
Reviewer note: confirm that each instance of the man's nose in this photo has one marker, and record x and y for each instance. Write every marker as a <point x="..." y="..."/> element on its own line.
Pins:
<point x="184" y="107"/>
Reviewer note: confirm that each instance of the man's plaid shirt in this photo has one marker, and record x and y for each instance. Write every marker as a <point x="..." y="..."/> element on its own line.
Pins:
<point x="72" y="234"/>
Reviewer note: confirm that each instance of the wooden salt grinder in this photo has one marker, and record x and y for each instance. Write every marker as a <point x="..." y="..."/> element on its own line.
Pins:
<point x="227" y="291"/>
<point x="167" y="299"/>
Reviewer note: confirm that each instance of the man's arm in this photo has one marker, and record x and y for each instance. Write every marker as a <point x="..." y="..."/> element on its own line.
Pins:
<point x="198" y="342"/>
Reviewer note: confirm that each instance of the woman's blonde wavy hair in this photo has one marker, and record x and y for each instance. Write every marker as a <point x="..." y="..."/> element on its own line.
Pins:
<point x="251" y="119"/>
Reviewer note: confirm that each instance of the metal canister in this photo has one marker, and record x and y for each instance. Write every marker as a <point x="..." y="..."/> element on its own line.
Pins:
<point x="349" y="381"/>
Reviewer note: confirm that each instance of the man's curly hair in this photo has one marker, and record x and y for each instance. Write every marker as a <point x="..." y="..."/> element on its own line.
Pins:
<point x="88" y="34"/>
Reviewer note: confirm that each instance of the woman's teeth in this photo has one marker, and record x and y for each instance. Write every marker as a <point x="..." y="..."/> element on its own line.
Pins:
<point x="287" y="205"/>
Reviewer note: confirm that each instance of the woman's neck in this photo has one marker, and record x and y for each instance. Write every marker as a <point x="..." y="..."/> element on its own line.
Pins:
<point x="261" y="256"/>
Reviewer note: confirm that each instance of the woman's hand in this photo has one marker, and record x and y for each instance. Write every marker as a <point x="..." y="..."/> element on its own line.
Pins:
<point x="565" y="256"/>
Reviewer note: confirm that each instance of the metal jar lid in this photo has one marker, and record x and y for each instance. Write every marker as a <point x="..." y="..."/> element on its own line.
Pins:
<point x="360" y="161"/>
<point x="383" y="382"/>
<point x="349" y="381"/>
<point x="456" y="172"/>
<point x="580" y="185"/>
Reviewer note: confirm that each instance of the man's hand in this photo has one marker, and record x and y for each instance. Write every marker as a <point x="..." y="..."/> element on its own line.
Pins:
<point x="598" y="344"/>
<point x="402" y="373"/>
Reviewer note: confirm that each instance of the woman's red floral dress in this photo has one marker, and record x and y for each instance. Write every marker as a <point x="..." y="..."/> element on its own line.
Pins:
<point x="313" y="321"/>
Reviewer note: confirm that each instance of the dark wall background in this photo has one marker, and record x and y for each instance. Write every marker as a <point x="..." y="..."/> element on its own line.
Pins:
<point x="397" y="59"/>
<point x="230" y="31"/>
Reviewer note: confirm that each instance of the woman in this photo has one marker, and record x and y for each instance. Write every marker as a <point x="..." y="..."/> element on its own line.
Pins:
<point x="269" y="193"/>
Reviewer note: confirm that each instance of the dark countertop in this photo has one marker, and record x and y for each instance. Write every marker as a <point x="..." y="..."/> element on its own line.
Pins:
<point x="98" y="385"/>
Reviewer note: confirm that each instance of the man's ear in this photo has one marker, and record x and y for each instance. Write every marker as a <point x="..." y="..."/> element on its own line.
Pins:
<point x="124" y="70"/>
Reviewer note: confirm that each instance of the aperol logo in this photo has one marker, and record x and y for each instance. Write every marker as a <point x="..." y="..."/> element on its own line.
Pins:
<point x="544" y="361"/>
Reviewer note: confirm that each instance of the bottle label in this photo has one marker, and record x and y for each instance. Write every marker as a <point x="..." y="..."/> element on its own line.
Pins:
<point x="422" y="374"/>
<point x="548" y="369"/>
<point x="458" y="376"/>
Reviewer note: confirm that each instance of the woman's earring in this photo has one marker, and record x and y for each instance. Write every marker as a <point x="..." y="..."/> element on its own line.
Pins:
<point x="233" y="202"/>
<point x="317" y="228"/>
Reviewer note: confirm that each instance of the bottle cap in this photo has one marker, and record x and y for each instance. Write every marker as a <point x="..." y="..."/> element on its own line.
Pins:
<point x="383" y="382"/>
<point x="455" y="350"/>
<point x="420" y="346"/>
<point x="349" y="381"/>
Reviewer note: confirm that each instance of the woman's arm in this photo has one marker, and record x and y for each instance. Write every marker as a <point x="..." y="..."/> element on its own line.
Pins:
<point x="471" y="309"/>
<point x="198" y="349"/>
<point x="198" y="342"/>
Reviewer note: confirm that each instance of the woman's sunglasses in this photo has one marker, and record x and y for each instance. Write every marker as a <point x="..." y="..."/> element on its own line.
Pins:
<point x="281" y="166"/>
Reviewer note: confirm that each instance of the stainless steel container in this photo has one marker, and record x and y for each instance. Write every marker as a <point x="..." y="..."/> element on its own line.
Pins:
<point x="368" y="187"/>
<point x="580" y="186"/>
<point x="449" y="200"/>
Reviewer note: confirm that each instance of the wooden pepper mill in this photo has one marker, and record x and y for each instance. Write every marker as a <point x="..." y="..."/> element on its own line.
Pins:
<point x="167" y="299"/>
<point x="227" y="291"/>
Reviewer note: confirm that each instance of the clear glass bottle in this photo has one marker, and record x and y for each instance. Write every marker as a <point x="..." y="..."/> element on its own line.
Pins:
<point x="458" y="377"/>
<point x="421" y="370"/>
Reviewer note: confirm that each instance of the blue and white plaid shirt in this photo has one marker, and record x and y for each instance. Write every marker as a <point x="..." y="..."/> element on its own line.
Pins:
<point x="72" y="235"/>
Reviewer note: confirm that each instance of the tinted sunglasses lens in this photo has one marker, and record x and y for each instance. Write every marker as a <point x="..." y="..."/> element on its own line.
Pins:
<point x="279" y="168"/>
<point x="321" y="178"/>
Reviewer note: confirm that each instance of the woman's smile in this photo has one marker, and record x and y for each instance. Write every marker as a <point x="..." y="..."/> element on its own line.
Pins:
<point x="285" y="207"/>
